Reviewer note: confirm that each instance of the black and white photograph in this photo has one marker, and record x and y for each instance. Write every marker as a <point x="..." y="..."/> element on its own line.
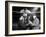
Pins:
<point x="24" y="18"/>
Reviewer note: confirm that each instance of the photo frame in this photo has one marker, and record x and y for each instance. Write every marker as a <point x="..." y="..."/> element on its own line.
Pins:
<point x="20" y="18"/>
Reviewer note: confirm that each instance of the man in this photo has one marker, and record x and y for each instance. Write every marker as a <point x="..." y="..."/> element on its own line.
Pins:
<point x="35" y="23"/>
<point x="26" y="20"/>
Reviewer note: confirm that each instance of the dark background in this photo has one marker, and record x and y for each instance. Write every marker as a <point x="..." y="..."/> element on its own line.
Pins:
<point x="16" y="15"/>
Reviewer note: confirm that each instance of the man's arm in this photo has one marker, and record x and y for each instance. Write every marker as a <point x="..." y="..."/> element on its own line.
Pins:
<point x="30" y="22"/>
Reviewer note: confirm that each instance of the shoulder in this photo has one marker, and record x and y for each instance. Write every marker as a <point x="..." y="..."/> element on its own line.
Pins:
<point x="21" y="17"/>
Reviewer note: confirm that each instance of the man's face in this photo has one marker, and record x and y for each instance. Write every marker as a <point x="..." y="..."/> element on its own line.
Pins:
<point x="25" y="15"/>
